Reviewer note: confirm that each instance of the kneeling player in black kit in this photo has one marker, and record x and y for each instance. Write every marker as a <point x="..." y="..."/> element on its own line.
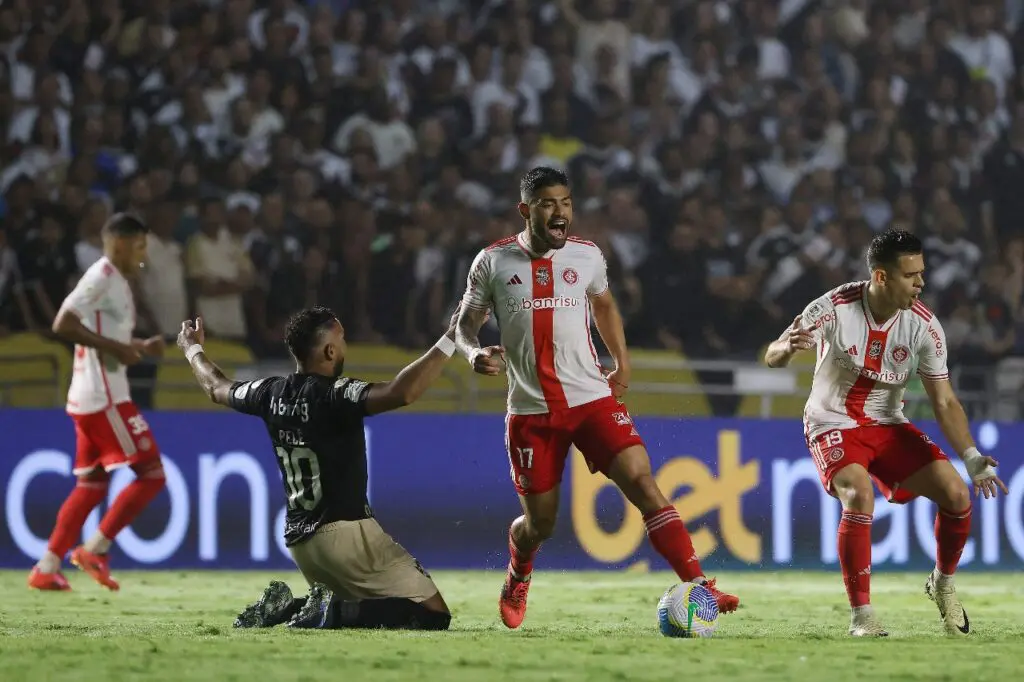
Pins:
<point x="358" y="575"/>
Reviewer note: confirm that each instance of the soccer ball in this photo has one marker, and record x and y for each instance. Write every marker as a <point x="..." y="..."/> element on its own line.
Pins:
<point x="687" y="610"/>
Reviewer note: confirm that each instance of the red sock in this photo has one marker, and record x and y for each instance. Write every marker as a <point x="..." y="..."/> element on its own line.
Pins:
<point x="951" y="531"/>
<point x="71" y="517"/>
<point x="521" y="564"/>
<point x="129" y="504"/>
<point x="855" y="556"/>
<point x="669" y="538"/>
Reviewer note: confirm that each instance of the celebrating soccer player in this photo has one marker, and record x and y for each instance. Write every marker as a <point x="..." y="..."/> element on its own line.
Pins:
<point x="869" y="338"/>
<point x="543" y="286"/>
<point x="99" y="317"/>
<point x="359" y="575"/>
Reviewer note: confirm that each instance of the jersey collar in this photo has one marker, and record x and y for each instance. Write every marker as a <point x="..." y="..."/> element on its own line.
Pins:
<point x="870" y="319"/>
<point x="524" y="244"/>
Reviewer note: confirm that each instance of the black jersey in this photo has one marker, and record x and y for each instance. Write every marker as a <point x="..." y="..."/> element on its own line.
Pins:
<point x="316" y="427"/>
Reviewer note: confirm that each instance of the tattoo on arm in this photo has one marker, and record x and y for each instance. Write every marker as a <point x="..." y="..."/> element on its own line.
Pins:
<point x="467" y="329"/>
<point x="213" y="381"/>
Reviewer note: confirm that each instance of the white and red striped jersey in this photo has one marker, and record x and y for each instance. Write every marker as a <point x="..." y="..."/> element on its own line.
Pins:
<point x="103" y="301"/>
<point x="863" y="366"/>
<point x="542" y="308"/>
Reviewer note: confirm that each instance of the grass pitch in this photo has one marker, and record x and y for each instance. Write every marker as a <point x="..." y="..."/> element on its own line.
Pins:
<point x="176" y="626"/>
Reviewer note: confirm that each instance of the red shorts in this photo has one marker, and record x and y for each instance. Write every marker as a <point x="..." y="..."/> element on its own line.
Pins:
<point x="890" y="453"/>
<point x="116" y="437"/>
<point x="539" y="443"/>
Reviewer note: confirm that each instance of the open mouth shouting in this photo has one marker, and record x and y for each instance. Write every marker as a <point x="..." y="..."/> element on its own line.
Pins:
<point x="558" y="228"/>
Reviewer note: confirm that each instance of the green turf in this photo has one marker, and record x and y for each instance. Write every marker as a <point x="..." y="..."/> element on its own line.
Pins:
<point x="581" y="626"/>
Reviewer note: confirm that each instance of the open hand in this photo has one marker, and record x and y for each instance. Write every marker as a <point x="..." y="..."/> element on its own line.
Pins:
<point x="191" y="334"/>
<point x="983" y="475"/>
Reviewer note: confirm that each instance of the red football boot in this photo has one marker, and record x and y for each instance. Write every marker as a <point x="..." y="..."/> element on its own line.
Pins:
<point x="727" y="603"/>
<point x="96" y="565"/>
<point x="512" y="604"/>
<point x="50" y="582"/>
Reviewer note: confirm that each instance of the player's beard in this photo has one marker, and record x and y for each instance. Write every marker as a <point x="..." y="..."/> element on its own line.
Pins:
<point x="339" y="367"/>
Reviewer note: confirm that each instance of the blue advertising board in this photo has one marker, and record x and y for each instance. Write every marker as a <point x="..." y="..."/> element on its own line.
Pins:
<point x="746" y="489"/>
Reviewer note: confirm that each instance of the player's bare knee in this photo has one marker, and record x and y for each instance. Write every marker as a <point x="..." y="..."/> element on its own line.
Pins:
<point x="956" y="496"/>
<point x="854" y="490"/>
<point x="649" y="490"/>
<point x="541" y="527"/>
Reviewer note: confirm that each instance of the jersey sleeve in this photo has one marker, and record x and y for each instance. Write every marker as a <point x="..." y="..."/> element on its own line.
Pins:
<point x="250" y="397"/>
<point x="820" y="317"/>
<point x="932" y="352"/>
<point x="598" y="283"/>
<point x="479" y="292"/>
<point x="89" y="294"/>
<point x="348" y="397"/>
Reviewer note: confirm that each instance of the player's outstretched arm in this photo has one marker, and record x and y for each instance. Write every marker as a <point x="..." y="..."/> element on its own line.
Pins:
<point x="410" y="383"/>
<point x="793" y="340"/>
<point x="953" y="422"/>
<point x="210" y="377"/>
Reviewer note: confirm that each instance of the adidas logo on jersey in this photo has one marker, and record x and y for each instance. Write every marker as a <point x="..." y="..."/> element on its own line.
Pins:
<point x="515" y="280"/>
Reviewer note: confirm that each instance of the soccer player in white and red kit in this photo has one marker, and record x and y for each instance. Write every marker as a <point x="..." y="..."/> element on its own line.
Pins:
<point x="99" y="317"/>
<point x="543" y="287"/>
<point x="870" y="338"/>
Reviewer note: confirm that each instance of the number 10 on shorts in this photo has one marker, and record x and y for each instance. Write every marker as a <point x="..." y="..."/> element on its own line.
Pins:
<point x="525" y="458"/>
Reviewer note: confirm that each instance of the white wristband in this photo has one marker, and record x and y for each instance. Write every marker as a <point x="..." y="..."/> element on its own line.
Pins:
<point x="970" y="455"/>
<point x="192" y="351"/>
<point x="445" y="345"/>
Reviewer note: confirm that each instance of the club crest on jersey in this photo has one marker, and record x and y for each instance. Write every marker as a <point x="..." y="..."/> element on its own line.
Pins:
<point x="875" y="349"/>
<point x="900" y="354"/>
<point x="570" y="276"/>
<point x="543" y="276"/>
<point x="622" y="419"/>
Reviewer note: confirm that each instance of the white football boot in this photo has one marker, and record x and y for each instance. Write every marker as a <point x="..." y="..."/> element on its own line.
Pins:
<point x="864" y="623"/>
<point x="940" y="589"/>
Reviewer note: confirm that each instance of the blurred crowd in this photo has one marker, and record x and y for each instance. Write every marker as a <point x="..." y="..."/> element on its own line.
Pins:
<point x="732" y="157"/>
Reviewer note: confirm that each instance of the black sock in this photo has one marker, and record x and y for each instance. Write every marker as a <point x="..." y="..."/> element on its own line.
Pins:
<point x="392" y="613"/>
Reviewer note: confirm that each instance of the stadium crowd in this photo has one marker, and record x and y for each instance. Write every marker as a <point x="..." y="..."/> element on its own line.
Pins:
<point x="732" y="157"/>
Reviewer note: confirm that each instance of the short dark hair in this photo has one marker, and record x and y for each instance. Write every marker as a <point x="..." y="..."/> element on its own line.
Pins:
<point x="887" y="247"/>
<point x="304" y="328"/>
<point x="538" y="178"/>
<point x="124" y="225"/>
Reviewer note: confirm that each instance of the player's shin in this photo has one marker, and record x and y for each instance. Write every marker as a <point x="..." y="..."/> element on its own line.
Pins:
<point x="670" y="539"/>
<point x="854" y="545"/>
<point x="951" y="532"/>
<point x="521" y="550"/>
<point x="130" y="503"/>
<point x="70" y="519"/>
